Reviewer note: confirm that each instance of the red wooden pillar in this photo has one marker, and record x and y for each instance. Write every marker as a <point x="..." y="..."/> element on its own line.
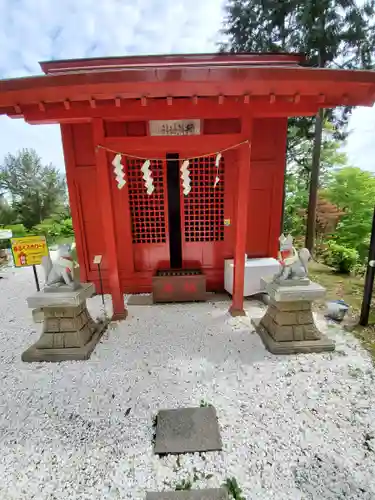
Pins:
<point x="241" y="207"/>
<point x="104" y="184"/>
<point x="70" y="166"/>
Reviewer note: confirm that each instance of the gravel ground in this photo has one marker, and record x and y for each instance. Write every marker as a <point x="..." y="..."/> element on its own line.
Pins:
<point x="298" y="427"/>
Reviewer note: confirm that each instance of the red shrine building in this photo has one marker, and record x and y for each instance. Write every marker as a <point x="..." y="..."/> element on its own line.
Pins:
<point x="128" y="125"/>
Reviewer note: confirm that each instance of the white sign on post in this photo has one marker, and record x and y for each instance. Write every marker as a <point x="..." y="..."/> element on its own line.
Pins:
<point x="175" y="127"/>
<point x="97" y="259"/>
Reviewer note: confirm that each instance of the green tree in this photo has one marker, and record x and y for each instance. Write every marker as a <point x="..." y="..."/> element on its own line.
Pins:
<point x="332" y="33"/>
<point x="353" y="191"/>
<point x="36" y="191"/>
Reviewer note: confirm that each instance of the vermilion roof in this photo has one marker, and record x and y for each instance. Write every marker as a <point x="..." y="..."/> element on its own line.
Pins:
<point x="203" y="75"/>
<point x="180" y="60"/>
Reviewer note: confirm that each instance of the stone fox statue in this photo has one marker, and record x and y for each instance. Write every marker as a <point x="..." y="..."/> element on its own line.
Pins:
<point x="293" y="263"/>
<point x="60" y="272"/>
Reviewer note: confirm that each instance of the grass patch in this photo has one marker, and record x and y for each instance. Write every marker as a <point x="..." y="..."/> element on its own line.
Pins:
<point x="233" y="489"/>
<point x="350" y="289"/>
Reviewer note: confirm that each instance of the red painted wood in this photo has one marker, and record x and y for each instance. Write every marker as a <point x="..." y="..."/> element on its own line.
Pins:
<point x="277" y="192"/>
<point x="266" y="187"/>
<point x="356" y="86"/>
<point x="202" y="215"/>
<point x="105" y="200"/>
<point x="148" y="214"/>
<point x="68" y="149"/>
<point x="159" y="60"/>
<point x="241" y="204"/>
<point x="206" y="107"/>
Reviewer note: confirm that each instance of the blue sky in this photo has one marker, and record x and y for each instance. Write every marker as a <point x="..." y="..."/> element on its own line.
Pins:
<point x="36" y="30"/>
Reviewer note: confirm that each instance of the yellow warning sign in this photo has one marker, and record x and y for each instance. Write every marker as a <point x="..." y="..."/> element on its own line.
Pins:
<point x="29" y="250"/>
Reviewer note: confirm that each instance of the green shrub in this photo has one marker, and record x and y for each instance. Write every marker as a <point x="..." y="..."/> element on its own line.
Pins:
<point x="18" y="230"/>
<point x="55" y="231"/>
<point x="340" y="257"/>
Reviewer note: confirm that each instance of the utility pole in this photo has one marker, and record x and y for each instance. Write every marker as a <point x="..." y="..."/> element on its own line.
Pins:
<point x="369" y="281"/>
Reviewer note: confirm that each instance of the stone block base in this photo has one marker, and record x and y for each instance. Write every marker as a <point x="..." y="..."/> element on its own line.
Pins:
<point x="288" y="325"/>
<point x="69" y="333"/>
<point x="33" y="354"/>
<point x="321" y="344"/>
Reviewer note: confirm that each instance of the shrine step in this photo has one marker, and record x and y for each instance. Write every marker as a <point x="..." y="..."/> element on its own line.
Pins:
<point x="179" y="285"/>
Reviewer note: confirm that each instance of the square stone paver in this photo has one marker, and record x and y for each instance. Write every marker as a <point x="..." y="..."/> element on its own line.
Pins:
<point x="187" y="430"/>
<point x="214" y="494"/>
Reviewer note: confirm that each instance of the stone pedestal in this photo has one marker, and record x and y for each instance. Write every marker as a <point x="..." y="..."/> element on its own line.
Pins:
<point x="288" y="325"/>
<point x="69" y="332"/>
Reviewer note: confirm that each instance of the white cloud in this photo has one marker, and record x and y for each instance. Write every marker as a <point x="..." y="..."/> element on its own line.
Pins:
<point x="35" y="30"/>
<point x="32" y="31"/>
<point x="361" y="143"/>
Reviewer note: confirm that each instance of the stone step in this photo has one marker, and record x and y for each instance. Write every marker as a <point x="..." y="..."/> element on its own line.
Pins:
<point x="187" y="430"/>
<point x="210" y="494"/>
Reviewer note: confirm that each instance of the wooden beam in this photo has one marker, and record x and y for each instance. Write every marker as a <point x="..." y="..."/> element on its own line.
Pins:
<point x="196" y="143"/>
<point x="182" y="108"/>
<point x="103" y="180"/>
<point x="75" y="200"/>
<point x="241" y="204"/>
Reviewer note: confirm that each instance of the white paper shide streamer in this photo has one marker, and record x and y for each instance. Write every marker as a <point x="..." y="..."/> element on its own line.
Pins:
<point x="217" y="163"/>
<point x="147" y="177"/>
<point x="119" y="171"/>
<point x="185" y="176"/>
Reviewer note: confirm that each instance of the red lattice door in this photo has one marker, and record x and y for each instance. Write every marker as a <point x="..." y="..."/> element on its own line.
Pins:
<point x="203" y="215"/>
<point x="149" y="215"/>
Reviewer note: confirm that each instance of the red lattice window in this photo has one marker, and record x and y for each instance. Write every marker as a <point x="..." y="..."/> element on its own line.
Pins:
<point x="147" y="211"/>
<point x="204" y="205"/>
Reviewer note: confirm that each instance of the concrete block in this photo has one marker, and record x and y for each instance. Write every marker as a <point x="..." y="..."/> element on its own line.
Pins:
<point x="34" y="354"/>
<point x="187" y="430"/>
<point x="308" y="293"/>
<point x="293" y="347"/>
<point x="292" y="306"/>
<point x="311" y="332"/>
<point x="304" y="318"/>
<point x="298" y="333"/>
<point x="282" y="333"/>
<point x="51" y="325"/>
<point x="285" y="318"/>
<point x="210" y="494"/>
<point x="61" y="299"/>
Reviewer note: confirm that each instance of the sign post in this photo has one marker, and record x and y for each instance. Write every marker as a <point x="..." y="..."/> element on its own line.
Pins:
<point x="29" y="251"/>
<point x="97" y="261"/>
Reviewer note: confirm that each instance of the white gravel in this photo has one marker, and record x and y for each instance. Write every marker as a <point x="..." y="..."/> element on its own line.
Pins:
<point x="297" y="427"/>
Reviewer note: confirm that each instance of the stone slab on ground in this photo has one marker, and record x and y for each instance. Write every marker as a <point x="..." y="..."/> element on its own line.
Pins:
<point x="293" y="346"/>
<point x="211" y="494"/>
<point x="33" y="354"/>
<point x="187" y="430"/>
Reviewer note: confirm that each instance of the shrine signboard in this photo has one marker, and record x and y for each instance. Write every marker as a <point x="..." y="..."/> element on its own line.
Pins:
<point x="175" y="127"/>
<point x="29" y="250"/>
